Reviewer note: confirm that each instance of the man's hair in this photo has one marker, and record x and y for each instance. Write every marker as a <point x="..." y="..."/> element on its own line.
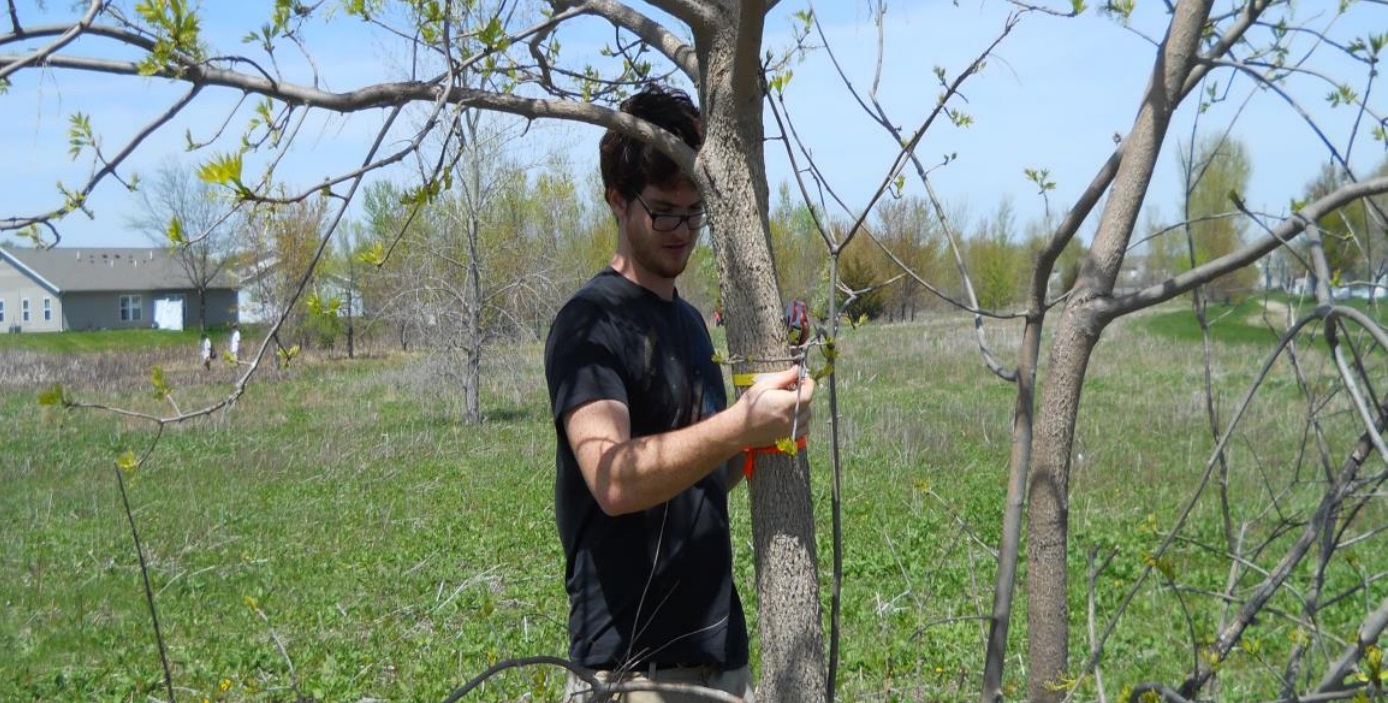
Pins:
<point x="629" y="164"/>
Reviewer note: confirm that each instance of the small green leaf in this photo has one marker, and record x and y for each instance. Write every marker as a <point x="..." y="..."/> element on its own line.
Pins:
<point x="160" y="383"/>
<point x="322" y="308"/>
<point x="1235" y="198"/>
<point x="830" y="350"/>
<point x="493" y="36"/>
<point x="374" y="256"/>
<point x="1121" y="8"/>
<point x="72" y="199"/>
<point x="127" y="462"/>
<point x="778" y="82"/>
<point x="287" y="355"/>
<point x="79" y="134"/>
<point x="224" y="169"/>
<point x="1041" y="177"/>
<point x="53" y="396"/>
<point x="1162" y="564"/>
<point x="1377" y="42"/>
<point x="175" y="232"/>
<point x="1343" y="95"/>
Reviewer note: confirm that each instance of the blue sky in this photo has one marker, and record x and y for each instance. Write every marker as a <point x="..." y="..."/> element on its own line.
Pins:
<point x="1052" y="98"/>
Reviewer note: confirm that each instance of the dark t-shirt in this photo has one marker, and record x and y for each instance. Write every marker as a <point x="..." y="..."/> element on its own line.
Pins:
<point x="654" y="586"/>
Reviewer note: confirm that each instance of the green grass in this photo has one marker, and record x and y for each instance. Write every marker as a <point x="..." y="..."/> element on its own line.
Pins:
<point x="1230" y="323"/>
<point x="396" y="552"/>
<point x="103" y="341"/>
<point x="1256" y="320"/>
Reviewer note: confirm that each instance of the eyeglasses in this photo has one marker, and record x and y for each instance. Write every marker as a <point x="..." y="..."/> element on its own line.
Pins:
<point x="669" y="222"/>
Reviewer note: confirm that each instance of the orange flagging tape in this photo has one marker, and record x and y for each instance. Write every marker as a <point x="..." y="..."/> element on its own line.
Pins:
<point x="749" y="462"/>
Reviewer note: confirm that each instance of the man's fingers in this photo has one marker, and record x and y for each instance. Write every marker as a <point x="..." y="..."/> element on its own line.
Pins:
<point x="780" y="379"/>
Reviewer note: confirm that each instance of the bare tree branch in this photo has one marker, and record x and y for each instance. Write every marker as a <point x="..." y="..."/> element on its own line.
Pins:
<point x="395" y="93"/>
<point x="1334" y="679"/>
<point x="1289" y="229"/>
<point x="67" y="37"/>
<point x="1322" y="520"/>
<point x="691" y="12"/>
<point x="600" y="690"/>
<point x="653" y="33"/>
<point x="1166" y="693"/>
<point x="108" y="168"/>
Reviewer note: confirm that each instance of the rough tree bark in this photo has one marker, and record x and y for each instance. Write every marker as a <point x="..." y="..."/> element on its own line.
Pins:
<point x="732" y="174"/>
<point x="1084" y="319"/>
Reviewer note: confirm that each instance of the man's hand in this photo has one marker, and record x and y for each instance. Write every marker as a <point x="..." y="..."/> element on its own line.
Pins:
<point x="627" y="474"/>
<point x="774" y="406"/>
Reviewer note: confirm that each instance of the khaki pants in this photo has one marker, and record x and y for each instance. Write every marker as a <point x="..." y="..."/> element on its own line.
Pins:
<point x="738" y="682"/>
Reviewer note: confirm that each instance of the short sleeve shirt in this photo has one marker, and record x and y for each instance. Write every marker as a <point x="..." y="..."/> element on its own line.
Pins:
<point x="653" y="586"/>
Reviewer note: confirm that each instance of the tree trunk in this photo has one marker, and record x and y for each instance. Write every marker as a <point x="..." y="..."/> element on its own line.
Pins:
<point x="732" y="176"/>
<point x="473" y="344"/>
<point x="472" y="405"/>
<point x="351" y="330"/>
<point x="1077" y="333"/>
<point x="1048" y="515"/>
<point x="1022" y="425"/>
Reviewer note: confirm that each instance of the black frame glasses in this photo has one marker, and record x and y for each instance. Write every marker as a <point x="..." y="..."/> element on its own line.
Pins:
<point x="669" y="222"/>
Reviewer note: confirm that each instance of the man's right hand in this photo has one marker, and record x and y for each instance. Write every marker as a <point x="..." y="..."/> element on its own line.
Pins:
<point x="627" y="474"/>
<point x="774" y="405"/>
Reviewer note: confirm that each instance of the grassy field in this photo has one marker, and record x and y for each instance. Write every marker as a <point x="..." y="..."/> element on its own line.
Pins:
<point x="341" y="532"/>
<point x="109" y="341"/>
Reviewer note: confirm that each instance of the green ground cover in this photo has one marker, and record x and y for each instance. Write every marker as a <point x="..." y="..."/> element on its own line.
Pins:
<point x="107" y="341"/>
<point x="341" y="512"/>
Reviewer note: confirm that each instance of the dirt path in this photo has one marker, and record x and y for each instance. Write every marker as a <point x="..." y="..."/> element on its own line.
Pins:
<point x="1274" y="310"/>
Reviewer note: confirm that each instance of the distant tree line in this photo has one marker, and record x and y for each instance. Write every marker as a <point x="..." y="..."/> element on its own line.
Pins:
<point x="492" y="257"/>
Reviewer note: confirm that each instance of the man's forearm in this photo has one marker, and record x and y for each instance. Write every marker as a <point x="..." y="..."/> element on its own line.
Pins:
<point x="627" y="474"/>
<point x="646" y="471"/>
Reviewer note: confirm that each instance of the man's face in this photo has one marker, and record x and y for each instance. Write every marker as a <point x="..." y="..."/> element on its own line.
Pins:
<point x="662" y="254"/>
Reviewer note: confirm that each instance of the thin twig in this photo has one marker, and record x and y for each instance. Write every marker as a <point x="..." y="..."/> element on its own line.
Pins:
<point x="144" y="569"/>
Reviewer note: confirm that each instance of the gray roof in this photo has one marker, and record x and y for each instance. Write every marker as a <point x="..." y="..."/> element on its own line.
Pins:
<point x="72" y="269"/>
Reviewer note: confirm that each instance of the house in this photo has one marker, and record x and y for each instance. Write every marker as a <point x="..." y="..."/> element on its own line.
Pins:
<point x="52" y="290"/>
<point x="1373" y="291"/>
<point x="261" y="291"/>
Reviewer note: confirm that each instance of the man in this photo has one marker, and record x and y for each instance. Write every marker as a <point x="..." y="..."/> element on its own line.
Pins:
<point x="645" y="444"/>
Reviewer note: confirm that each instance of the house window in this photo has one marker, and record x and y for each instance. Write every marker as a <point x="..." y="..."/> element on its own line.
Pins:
<point x="24" y="309"/>
<point x="2" y="310"/>
<point x="47" y="309"/>
<point x="130" y="309"/>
